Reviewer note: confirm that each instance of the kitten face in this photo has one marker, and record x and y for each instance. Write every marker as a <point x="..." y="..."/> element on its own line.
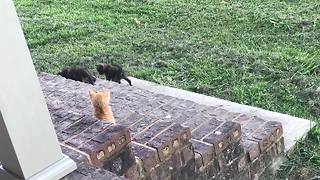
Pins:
<point x="100" y="68"/>
<point x="100" y="102"/>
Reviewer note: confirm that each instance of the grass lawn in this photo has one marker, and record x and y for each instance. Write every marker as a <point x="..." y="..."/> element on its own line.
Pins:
<point x="259" y="53"/>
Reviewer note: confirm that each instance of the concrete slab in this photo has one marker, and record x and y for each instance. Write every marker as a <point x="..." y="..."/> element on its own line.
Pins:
<point x="294" y="128"/>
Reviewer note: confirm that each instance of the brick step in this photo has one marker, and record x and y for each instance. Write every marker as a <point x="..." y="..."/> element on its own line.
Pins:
<point x="220" y="154"/>
<point x="158" y="136"/>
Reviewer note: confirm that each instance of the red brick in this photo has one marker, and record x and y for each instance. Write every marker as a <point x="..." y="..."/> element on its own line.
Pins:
<point x="176" y="160"/>
<point x="173" y="113"/>
<point x="61" y="113"/>
<point x="164" y="148"/>
<point x="188" y="171"/>
<point x="276" y="128"/>
<point x="169" y="140"/>
<point x="196" y="121"/>
<point x="268" y="156"/>
<point x="132" y="173"/>
<point x="205" y="128"/>
<point x="60" y="116"/>
<point x="155" y="103"/>
<point x="96" y="153"/>
<point x="224" y="135"/>
<point x="147" y="155"/>
<point x="209" y="111"/>
<point x="164" y="170"/>
<point x="107" y="143"/>
<point x="75" y="117"/>
<point x="232" y="152"/>
<point x="212" y="169"/>
<point x="62" y="136"/>
<point x="267" y="134"/>
<point x="153" y="175"/>
<point x="141" y="170"/>
<point x="120" y="162"/>
<point x="244" y="174"/>
<point x="232" y="169"/>
<point x="74" y="154"/>
<point x="242" y="163"/>
<point x="185" y="116"/>
<point x="256" y="166"/>
<point x="242" y="119"/>
<point x="280" y="145"/>
<point x="251" y="126"/>
<point x="204" y="149"/>
<point x="144" y="122"/>
<point x="184" y="104"/>
<point x="94" y="129"/>
<point x="75" y="175"/>
<point x="89" y="172"/>
<point x="152" y="131"/>
<point x="80" y="126"/>
<point x="62" y="125"/>
<point x="225" y="115"/>
<point x="252" y="148"/>
<point x="199" y="162"/>
<point x="114" y="138"/>
<point x="131" y="119"/>
<point x="76" y="141"/>
<point x="187" y="153"/>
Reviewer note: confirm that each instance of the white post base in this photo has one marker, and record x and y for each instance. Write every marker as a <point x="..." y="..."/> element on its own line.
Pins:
<point x="56" y="171"/>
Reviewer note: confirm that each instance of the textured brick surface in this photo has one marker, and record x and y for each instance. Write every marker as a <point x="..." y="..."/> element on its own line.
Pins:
<point x="267" y="134"/>
<point x="78" y="127"/>
<point x="141" y="125"/>
<point x="169" y="140"/>
<point x="205" y="128"/>
<point x="74" y="154"/>
<point x="212" y="170"/>
<point x="86" y="172"/>
<point x="148" y="156"/>
<point x="122" y="162"/>
<point x="251" y="125"/>
<point x="224" y="135"/>
<point x="225" y="115"/>
<point x="152" y="131"/>
<point x="205" y="151"/>
<point x="158" y="136"/>
<point x="252" y="148"/>
<point x="187" y="154"/>
<point x="104" y="145"/>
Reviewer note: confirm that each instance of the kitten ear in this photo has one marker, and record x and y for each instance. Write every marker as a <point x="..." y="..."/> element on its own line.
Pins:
<point x="107" y="95"/>
<point x="92" y="93"/>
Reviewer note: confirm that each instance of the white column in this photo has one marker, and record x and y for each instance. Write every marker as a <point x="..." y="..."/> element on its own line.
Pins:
<point x="29" y="148"/>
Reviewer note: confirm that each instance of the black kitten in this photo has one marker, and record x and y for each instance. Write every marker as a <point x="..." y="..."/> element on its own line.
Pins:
<point x="77" y="74"/>
<point x="113" y="72"/>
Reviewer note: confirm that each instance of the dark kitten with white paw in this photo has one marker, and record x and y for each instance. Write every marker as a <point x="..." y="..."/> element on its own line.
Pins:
<point x="113" y="72"/>
<point x="78" y="74"/>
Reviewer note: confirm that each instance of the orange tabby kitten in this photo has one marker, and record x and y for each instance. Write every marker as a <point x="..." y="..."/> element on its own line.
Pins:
<point x="101" y="107"/>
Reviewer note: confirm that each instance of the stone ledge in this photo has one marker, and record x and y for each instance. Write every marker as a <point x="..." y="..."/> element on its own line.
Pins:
<point x="294" y="128"/>
<point x="213" y="141"/>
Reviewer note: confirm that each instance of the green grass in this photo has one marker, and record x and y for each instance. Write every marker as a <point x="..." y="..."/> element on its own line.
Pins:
<point x="260" y="53"/>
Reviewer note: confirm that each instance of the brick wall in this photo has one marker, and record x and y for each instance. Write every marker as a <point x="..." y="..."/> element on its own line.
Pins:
<point x="158" y="136"/>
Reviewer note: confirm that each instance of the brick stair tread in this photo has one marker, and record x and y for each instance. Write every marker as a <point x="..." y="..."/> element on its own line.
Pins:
<point x="160" y="126"/>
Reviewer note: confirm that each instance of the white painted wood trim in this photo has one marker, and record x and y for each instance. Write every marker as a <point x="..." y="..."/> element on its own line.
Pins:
<point x="28" y="142"/>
